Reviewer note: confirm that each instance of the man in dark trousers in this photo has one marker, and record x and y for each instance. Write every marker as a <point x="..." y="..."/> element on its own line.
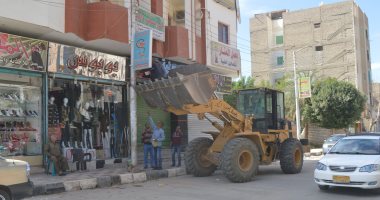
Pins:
<point x="148" y="148"/>
<point x="176" y="145"/>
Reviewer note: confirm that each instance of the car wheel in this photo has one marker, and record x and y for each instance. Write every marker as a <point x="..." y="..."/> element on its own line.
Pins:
<point x="4" y="195"/>
<point x="323" y="187"/>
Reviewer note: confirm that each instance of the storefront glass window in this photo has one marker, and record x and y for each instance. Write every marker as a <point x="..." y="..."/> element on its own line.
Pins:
<point x="20" y="115"/>
<point x="90" y="115"/>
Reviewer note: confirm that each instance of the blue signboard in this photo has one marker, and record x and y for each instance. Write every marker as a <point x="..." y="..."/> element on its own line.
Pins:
<point x="142" y="50"/>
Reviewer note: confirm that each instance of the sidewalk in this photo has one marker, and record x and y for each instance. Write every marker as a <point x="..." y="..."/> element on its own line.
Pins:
<point x="108" y="176"/>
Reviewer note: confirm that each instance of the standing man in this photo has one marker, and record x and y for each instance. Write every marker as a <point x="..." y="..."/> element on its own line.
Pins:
<point x="148" y="149"/>
<point x="176" y="145"/>
<point x="157" y="138"/>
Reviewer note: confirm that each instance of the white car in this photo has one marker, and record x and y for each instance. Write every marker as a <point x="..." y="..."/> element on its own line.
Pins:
<point x="354" y="161"/>
<point x="331" y="141"/>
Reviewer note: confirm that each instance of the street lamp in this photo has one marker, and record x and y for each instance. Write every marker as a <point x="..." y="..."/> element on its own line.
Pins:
<point x="298" y="114"/>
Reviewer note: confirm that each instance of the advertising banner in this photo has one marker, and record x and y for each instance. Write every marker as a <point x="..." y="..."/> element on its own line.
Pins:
<point x="223" y="83"/>
<point x="225" y="56"/>
<point x="305" y="87"/>
<point x="23" y="53"/>
<point x="142" y="50"/>
<point x="77" y="61"/>
<point x="146" y="20"/>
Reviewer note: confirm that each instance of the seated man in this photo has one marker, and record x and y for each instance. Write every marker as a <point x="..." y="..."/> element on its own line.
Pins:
<point x="53" y="152"/>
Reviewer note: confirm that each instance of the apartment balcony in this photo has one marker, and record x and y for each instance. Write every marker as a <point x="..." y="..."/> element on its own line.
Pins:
<point x="101" y="26"/>
<point x="98" y="20"/>
<point x="177" y="43"/>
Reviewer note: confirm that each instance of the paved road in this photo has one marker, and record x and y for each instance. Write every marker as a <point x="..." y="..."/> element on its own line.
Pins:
<point x="270" y="184"/>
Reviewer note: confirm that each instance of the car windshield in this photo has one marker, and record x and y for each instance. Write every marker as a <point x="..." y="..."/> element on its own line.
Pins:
<point x="334" y="138"/>
<point x="357" y="146"/>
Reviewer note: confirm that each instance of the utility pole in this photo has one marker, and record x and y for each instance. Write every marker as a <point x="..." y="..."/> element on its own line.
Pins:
<point x="298" y="115"/>
<point x="296" y="93"/>
<point x="132" y="93"/>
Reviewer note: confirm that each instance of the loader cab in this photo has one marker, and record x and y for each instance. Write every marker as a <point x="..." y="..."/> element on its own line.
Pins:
<point x="266" y="105"/>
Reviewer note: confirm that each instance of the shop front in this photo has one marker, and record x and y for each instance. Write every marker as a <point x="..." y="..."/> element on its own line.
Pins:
<point x="23" y="64"/>
<point x="87" y="102"/>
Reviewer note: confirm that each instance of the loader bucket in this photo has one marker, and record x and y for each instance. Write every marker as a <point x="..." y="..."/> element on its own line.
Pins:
<point x="189" y="84"/>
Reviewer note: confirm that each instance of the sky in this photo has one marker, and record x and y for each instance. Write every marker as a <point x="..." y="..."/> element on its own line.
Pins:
<point x="250" y="7"/>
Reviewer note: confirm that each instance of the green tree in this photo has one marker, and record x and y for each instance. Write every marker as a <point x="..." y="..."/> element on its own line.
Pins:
<point x="242" y="83"/>
<point x="334" y="104"/>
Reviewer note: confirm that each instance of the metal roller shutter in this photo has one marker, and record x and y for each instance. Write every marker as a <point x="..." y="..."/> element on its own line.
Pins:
<point x="196" y="126"/>
<point x="157" y="114"/>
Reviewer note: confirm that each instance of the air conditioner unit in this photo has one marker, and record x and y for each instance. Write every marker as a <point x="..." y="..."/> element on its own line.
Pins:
<point x="179" y="16"/>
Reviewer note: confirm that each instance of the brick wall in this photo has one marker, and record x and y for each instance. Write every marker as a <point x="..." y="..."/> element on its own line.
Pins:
<point x="317" y="134"/>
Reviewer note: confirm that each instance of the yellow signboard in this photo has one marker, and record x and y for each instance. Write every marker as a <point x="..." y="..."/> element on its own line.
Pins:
<point x="305" y="87"/>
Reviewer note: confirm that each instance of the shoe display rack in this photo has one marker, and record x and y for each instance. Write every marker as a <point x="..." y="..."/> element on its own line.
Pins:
<point x="20" y="120"/>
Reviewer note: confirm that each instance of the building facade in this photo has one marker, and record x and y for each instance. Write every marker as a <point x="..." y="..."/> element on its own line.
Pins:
<point x="330" y="41"/>
<point x="83" y="49"/>
<point x="376" y="107"/>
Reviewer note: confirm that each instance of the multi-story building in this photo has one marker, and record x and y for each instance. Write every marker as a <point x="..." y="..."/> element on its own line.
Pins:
<point x="330" y="41"/>
<point x="87" y="44"/>
<point x="376" y="106"/>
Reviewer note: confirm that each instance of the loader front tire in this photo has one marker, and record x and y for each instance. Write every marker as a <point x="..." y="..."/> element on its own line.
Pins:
<point x="291" y="156"/>
<point x="240" y="160"/>
<point x="195" y="161"/>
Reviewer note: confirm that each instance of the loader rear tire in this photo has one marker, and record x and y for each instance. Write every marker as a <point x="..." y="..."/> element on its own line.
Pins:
<point x="240" y="160"/>
<point x="291" y="156"/>
<point x="195" y="162"/>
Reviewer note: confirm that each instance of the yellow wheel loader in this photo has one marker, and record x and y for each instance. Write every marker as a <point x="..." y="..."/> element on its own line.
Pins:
<point x="254" y="134"/>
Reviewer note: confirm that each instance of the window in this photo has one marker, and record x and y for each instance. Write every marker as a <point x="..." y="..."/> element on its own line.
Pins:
<point x="366" y="34"/>
<point x="368" y="58"/>
<point x="319" y="48"/>
<point x="317" y="25"/>
<point x="279" y="39"/>
<point x="280" y="60"/>
<point x="223" y="33"/>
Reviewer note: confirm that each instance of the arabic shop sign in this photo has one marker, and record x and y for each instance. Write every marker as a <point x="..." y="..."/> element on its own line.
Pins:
<point x="23" y="53"/>
<point x="142" y="50"/>
<point x="77" y="61"/>
<point x="146" y="20"/>
<point x="223" y="83"/>
<point x="225" y="56"/>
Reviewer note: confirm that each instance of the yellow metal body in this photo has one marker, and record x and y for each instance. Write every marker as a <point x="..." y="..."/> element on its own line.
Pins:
<point x="235" y="125"/>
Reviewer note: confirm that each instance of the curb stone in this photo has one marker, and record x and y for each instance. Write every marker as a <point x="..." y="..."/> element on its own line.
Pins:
<point x="115" y="180"/>
<point x="71" y="185"/>
<point x="156" y="174"/>
<point x="139" y="177"/>
<point x="106" y="181"/>
<point x="126" y="178"/>
<point x="88" y="183"/>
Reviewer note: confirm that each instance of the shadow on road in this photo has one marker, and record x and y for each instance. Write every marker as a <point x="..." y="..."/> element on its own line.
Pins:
<point x="353" y="192"/>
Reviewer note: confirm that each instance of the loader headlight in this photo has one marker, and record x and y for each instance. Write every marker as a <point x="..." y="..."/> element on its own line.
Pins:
<point x="321" y="166"/>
